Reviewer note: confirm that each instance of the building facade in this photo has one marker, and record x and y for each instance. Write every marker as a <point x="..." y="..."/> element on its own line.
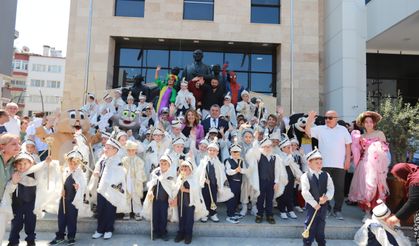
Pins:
<point x="393" y="50"/>
<point x="130" y="38"/>
<point x="7" y="35"/>
<point x="44" y="84"/>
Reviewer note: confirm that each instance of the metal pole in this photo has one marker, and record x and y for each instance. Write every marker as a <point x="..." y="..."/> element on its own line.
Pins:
<point x="89" y="37"/>
<point x="292" y="58"/>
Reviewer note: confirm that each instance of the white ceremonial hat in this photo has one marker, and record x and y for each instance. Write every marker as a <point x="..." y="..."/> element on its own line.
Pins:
<point x="158" y="131"/>
<point x="186" y="163"/>
<point x="265" y="142"/>
<point x="244" y="92"/>
<point x="214" y="144"/>
<point x="74" y="154"/>
<point x="105" y="134"/>
<point x="120" y="134"/>
<point x="284" y="142"/>
<point x="275" y="136"/>
<point x="176" y="124"/>
<point x="184" y="82"/>
<point x="107" y="96"/>
<point x="131" y="145"/>
<point x="313" y="155"/>
<point x="91" y="95"/>
<point x="294" y="141"/>
<point x="235" y="148"/>
<point x="25" y="155"/>
<point x="141" y="96"/>
<point x="381" y="211"/>
<point x="178" y="140"/>
<point x="204" y="141"/>
<point x="227" y="96"/>
<point x="114" y="143"/>
<point x="213" y="130"/>
<point x="165" y="110"/>
<point x="166" y="158"/>
<point x="29" y="141"/>
<point x="130" y="96"/>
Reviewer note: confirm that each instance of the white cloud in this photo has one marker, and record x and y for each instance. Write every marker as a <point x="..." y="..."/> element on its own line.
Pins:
<point x="42" y="22"/>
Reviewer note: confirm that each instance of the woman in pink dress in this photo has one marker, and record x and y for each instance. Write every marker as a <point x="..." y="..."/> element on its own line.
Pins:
<point x="371" y="163"/>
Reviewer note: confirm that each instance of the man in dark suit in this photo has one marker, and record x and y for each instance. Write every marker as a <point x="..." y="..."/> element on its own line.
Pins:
<point x="214" y="120"/>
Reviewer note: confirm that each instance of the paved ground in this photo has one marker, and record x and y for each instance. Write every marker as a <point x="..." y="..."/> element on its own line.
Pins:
<point x="140" y="240"/>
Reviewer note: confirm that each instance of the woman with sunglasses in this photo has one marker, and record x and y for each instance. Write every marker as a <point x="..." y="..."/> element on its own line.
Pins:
<point x="370" y="158"/>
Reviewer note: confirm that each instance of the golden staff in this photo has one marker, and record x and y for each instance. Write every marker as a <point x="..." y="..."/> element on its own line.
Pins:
<point x="306" y="232"/>
<point x="213" y="206"/>
<point x="182" y="177"/>
<point x="49" y="141"/>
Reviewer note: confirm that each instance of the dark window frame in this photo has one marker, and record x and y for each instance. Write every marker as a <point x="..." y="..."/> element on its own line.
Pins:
<point x="198" y="2"/>
<point x="248" y="70"/>
<point x="278" y="6"/>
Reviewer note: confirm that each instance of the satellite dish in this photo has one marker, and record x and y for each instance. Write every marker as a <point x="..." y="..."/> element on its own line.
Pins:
<point x="25" y="49"/>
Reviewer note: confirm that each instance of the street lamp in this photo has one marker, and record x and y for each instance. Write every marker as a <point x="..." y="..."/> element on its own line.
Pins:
<point x="292" y="57"/>
<point x="89" y="38"/>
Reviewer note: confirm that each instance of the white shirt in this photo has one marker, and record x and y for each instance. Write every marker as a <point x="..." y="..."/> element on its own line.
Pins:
<point x="13" y="125"/>
<point x="305" y="187"/>
<point x="213" y="122"/>
<point x="332" y="143"/>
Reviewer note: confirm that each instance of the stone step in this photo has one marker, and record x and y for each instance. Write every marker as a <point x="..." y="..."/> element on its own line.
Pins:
<point x="84" y="239"/>
<point x="335" y="229"/>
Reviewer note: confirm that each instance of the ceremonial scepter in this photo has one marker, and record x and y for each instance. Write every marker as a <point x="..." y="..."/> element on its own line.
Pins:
<point x="49" y="141"/>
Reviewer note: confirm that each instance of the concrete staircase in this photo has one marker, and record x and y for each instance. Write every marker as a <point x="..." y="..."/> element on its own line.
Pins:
<point x="335" y="229"/>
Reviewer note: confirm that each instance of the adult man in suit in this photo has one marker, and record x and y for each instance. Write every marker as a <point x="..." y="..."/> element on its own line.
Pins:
<point x="214" y="120"/>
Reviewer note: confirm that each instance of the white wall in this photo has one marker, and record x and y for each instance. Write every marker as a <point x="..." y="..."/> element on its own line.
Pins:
<point x="383" y="14"/>
<point x="344" y="57"/>
<point x="47" y="93"/>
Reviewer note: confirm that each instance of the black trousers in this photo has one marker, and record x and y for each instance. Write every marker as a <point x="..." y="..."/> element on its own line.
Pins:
<point x="207" y="197"/>
<point x="160" y="217"/>
<point x="338" y="177"/>
<point x="286" y="200"/>
<point x="186" y="220"/>
<point x="23" y="216"/>
<point x="318" y="226"/>
<point x="264" y="201"/>
<point x="67" y="220"/>
<point x="232" y="204"/>
<point x="106" y="214"/>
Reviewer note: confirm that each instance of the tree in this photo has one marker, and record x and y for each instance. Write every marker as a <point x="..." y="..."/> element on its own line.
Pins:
<point x="400" y="124"/>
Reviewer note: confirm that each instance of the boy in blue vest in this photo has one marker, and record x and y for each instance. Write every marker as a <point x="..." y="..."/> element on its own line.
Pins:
<point x="72" y="198"/>
<point x="233" y="166"/>
<point x="317" y="189"/>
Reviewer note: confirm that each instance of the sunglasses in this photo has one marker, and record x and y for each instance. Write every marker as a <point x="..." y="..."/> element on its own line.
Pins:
<point x="330" y="117"/>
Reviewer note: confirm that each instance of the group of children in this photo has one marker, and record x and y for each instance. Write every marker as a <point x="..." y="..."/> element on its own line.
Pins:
<point x="164" y="176"/>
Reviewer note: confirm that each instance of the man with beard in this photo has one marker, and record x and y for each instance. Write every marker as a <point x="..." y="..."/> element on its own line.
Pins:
<point x="211" y="94"/>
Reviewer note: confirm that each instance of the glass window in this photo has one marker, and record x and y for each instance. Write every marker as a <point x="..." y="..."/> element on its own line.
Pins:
<point x="38" y="67"/>
<point x="261" y="82"/>
<point x="37" y="83"/>
<point x="254" y="71"/>
<point x="156" y="57"/>
<point x="54" y="68"/>
<point x="237" y="61"/>
<point x="198" y="10"/>
<point x="130" y="57"/>
<point x="243" y="79"/>
<point x="130" y="8"/>
<point x="261" y="63"/>
<point x="212" y="58"/>
<point x="181" y="58"/>
<point x="265" y="11"/>
<point x="53" y="84"/>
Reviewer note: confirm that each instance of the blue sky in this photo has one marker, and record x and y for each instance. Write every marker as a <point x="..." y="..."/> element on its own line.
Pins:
<point x="42" y="22"/>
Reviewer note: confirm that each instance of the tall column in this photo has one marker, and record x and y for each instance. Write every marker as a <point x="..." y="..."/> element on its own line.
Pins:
<point x="345" y="57"/>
